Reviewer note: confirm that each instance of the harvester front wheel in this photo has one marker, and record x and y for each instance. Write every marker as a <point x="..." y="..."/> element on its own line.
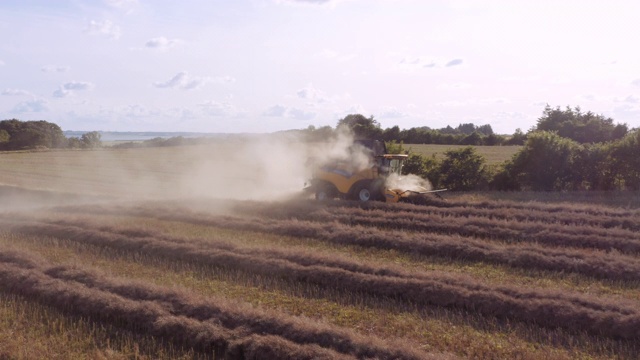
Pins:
<point x="363" y="194"/>
<point x="322" y="195"/>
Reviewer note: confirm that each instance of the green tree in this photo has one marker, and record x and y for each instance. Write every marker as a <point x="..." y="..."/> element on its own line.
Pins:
<point x="362" y="127"/>
<point x="625" y="162"/>
<point x="424" y="167"/>
<point x="546" y="162"/>
<point x="463" y="169"/>
<point x="91" y="140"/>
<point x="518" y="138"/>
<point x="30" y="134"/>
<point x="4" y="136"/>
<point x="581" y="127"/>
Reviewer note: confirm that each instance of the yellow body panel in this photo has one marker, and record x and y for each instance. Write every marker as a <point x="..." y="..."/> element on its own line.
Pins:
<point x="344" y="178"/>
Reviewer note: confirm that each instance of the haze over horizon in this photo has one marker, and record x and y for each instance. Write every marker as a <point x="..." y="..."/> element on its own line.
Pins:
<point x="271" y="65"/>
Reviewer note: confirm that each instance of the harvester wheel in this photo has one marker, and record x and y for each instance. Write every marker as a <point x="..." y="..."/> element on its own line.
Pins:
<point x="363" y="194"/>
<point x="322" y="195"/>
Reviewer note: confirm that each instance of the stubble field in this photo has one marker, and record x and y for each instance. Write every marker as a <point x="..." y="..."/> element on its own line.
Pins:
<point x="91" y="274"/>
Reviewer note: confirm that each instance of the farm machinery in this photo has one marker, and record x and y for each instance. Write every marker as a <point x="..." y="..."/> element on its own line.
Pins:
<point x="379" y="180"/>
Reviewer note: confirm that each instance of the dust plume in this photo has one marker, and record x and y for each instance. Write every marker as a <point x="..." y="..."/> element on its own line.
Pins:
<point x="237" y="167"/>
<point x="408" y="182"/>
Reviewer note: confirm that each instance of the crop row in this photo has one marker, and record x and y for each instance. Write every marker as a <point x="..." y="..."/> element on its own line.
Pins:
<point x="554" y="234"/>
<point x="525" y="256"/>
<point x="624" y="241"/>
<point x="629" y="222"/>
<point x="210" y="326"/>
<point x="616" y="319"/>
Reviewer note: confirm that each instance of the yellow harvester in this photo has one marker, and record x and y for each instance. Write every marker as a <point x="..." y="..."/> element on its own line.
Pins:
<point x="346" y="179"/>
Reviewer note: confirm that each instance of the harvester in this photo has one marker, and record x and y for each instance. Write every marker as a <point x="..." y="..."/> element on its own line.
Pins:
<point x="348" y="179"/>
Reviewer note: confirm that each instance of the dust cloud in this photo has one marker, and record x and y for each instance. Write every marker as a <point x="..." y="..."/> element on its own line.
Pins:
<point x="408" y="183"/>
<point x="247" y="167"/>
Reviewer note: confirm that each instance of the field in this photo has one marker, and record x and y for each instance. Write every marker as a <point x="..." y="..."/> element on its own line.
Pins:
<point x="96" y="263"/>
<point x="493" y="154"/>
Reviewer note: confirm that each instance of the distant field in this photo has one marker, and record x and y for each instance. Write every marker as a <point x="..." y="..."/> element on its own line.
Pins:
<point x="493" y="154"/>
<point x="128" y="254"/>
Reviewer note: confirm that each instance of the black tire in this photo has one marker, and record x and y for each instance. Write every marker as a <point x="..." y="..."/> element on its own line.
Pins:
<point x="363" y="193"/>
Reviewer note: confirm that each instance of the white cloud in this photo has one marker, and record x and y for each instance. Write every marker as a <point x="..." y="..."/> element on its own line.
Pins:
<point x="15" y="92"/>
<point x="312" y="94"/>
<point x="183" y="80"/>
<point x="275" y="110"/>
<point x="288" y="112"/>
<point x="71" y="87"/>
<point x="55" y="68"/>
<point x="392" y="113"/>
<point x="161" y="43"/>
<point x="105" y="27"/>
<point x="415" y="63"/>
<point x="454" y="62"/>
<point x="636" y="82"/>
<point x="216" y="108"/>
<point x="35" y="105"/>
<point x="2" y="63"/>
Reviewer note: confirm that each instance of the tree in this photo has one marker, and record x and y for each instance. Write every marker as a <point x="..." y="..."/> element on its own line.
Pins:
<point x="625" y="162"/>
<point x="463" y="169"/>
<point x="362" y="127"/>
<point x="30" y="134"/>
<point x="424" y="167"/>
<point x="4" y="136"/>
<point x="518" y="138"/>
<point x="91" y="140"/>
<point x="581" y="127"/>
<point x="546" y="162"/>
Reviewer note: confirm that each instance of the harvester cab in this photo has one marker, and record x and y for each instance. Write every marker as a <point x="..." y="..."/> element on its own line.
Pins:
<point x="363" y="176"/>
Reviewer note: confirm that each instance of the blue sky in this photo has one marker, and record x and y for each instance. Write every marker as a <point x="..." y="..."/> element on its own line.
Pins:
<point x="269" y="65"/>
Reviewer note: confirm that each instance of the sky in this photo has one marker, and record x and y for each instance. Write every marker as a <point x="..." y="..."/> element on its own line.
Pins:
<point x="269" y="65"/>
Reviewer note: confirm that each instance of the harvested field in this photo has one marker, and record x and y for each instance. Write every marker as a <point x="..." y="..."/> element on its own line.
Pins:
<point x="96" y="275"/>
<point x="164" y="270"/>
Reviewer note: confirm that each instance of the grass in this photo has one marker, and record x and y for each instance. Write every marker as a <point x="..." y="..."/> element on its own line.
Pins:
<point x="493" y="154"/>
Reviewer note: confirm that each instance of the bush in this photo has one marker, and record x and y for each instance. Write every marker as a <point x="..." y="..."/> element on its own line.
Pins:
<point x="546" y="162"/>
<point x="463" y="170"/>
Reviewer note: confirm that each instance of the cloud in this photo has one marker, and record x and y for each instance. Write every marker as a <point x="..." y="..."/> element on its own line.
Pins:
<point x="414" y="63"/>
<point x="105" y="27"/>
<point x="216" y="108"/>
<point x="392" y="113"/>
<point x="288" y="112"/>
<point x="635" y="82"/>
<point x="161" y="43"/>
<point x="184" y="81"/>
<point x="71" y="87"/>
<point x="55" y="68"/>
<point x="2" y="63"/>
<point x="35" y="105"/>
<point x="15" y="92"/>
<point x="454" y="62"/>
<point x="312" y="94"/>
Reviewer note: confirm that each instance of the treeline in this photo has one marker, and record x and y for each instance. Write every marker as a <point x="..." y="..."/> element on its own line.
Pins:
<point x="20" y="135"/>
<point x="546" y="162"/>
<point x="568" y="150"/>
